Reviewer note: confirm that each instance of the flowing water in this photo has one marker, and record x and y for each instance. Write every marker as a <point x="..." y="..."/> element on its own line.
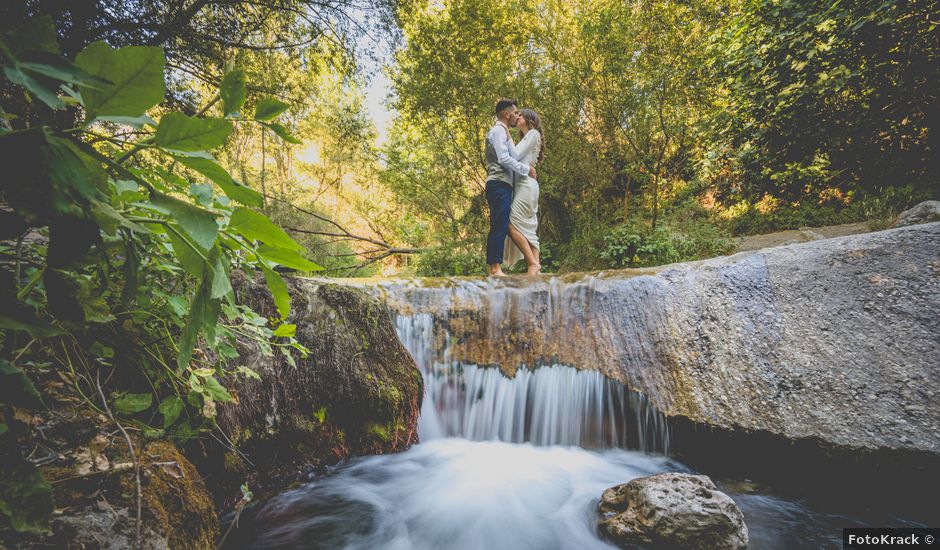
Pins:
<point x="505" y="463"/>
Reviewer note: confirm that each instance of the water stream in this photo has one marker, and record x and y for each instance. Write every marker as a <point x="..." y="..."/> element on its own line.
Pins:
<point x="506" y="462"/>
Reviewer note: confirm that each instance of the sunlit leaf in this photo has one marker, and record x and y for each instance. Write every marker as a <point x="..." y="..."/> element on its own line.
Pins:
<point x="216" y="391"/>
<point x="131" y="403"/>
<point x="233" y="92"/>
<point x="132" y="121"/>
<point x="135" y="73"/>
<point x="232" y="189"/>
<point x="199" y="224"/>
<point x="253" y="225"/>
<point x="287" y="257"/>
<point x="286" y="330"/>
<point x="268" y="108"/>
<point x="179" y="132"/>
<point x="282" y="132"/>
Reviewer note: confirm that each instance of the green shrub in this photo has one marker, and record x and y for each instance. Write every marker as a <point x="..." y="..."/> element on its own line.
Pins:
<point x="628" y="245"/>
<point x="879" y="209"/>
<point x="451" y="259"/>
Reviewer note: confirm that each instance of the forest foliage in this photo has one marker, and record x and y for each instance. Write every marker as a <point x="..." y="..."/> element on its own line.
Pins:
<point x="122" y="248"/>
<point x="154" y="149"/>
<point x="670" y="126"/>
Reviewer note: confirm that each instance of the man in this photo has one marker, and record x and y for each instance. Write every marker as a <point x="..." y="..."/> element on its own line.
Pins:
<point x="501" y="166"/>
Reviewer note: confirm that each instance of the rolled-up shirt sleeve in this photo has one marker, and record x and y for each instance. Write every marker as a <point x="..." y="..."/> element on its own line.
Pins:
<point x="498" y="137"/>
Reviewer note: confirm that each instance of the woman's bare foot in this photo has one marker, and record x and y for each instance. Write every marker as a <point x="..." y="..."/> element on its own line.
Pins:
<point x="534" y="269"/>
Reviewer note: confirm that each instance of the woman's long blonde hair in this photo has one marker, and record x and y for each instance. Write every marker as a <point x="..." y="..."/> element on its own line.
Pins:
<point x="535" y="123"/>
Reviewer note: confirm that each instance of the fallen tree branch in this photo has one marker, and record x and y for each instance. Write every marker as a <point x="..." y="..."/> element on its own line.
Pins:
<point x="130" y="447"/>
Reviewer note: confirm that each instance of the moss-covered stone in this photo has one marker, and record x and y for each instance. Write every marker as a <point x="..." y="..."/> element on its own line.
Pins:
<point x="174" y="496"/>
<point x="357" y="392"/>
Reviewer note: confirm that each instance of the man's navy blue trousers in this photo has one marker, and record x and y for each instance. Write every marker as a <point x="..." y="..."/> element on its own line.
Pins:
<point x="499" y="198"/>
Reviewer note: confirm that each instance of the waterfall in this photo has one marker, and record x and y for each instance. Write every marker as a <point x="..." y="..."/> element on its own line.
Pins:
<point x="551" y="404"/>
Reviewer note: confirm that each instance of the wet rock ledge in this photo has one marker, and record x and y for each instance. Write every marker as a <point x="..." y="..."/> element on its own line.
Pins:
<point x="834" y="342"/>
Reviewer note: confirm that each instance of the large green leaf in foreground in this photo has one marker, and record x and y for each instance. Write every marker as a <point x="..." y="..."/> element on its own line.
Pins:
<point x="135" y="74"/>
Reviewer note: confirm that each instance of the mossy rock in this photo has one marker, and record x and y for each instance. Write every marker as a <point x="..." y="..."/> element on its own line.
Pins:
<point x="295" y="419"/>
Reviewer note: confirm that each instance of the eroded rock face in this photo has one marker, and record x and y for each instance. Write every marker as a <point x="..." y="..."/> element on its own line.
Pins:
<point x="672" y="510"/>
<point x="833" y="341"/>
<point x="358" y="392"/>
<point x="925" y="212"/>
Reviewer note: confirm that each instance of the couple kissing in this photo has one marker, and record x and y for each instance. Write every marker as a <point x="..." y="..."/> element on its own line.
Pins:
<point x="512" y="191"/>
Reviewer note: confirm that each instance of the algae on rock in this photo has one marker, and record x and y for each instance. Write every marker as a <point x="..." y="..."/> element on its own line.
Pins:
<point x="358" y="391"/>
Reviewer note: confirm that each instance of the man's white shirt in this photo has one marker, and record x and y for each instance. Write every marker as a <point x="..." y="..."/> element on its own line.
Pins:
<point x="505" y="149"/>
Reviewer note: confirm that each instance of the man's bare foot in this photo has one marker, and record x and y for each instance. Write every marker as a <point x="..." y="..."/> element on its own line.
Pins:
<point x="534" y="269"/>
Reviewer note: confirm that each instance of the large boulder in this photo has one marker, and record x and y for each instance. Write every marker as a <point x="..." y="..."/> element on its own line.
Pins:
<point x="672" y="510"/>
<point x="357" y="392"/>
<point x="832" y="342"/>
<point x="925" y="212"/>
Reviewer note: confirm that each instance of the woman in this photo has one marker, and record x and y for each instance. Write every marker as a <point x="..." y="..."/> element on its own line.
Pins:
<point x="522" y="241"/>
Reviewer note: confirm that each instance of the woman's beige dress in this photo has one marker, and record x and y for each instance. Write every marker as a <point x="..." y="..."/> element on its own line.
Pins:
<point x="525" y="198"/>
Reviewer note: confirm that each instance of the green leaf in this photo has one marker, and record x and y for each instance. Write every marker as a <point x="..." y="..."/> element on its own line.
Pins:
<point x="287" y="258"/>
<point x="221" y="286"/>
<point x="24" y="318"/>
<point x="202" y="192"/>
<point x="179" y="132"/>
<point x="286" y="330"/>
<point x="233" y="92"/>
<point x="268" y="108"/>
<point x="216" y="391"/>
<point x="194" y="322"/>
<point x="135" y="73"/>
<point x="232" y="189"/>
<point x="3" y="428"/>
<point x="253" y="225"/>
<point x="132" y="121"/>
<point x="38" y="89"/>
<point x="62" y="70"/>
<point x="282" y="132"/>
<point x="131" y="403"/>
<point x="35" y="34"/>
<point x="191" y="261"/>
<point x="211" y="321"/>
<point x="110" y="219"/>
<point x="247" y="372"/>
<point x="199" y="224"/>
<point x="170" y="408"/>
<point x="16" y="389"/>
<point x="25" y="497"/>
<point x="278" y="290"/>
